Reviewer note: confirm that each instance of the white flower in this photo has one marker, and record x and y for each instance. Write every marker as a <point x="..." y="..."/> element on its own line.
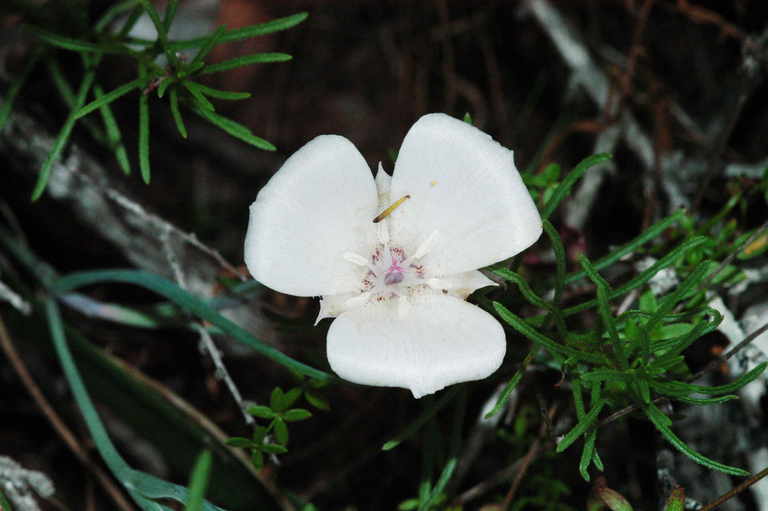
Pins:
<point x="455" y="203"/>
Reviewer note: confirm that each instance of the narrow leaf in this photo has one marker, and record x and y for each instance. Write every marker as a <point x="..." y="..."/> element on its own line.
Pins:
<point x="188" y="302"/>
<point x="114" y="136"/>
<point x="220" y="94"/>
<point x="297" y="414"/>
<point x="198" y="481"/>
<point x="650" y="234"/>
<point x="653" y="413"/>
<point x="235" y="129"/>
<point x="108" y="97"/>
<point x="581" y="427"/>
<point x="281" y="431"/>
<point x="177" y="118"/>
<point x="144" y="165"/>
<point x="565" y="186"/>
<point x="260" y="411"/>
<point x="63" y="136"/>
<point x="531" y="333"/>
<point x="245" y="32"/>
<point x="511" y="386"/>
<point x="246" y="60"/>
<point x="668" y="260"/>
<point x="77" y="45"/>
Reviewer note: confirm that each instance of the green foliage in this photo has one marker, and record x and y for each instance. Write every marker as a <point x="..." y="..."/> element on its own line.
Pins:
<point x="633" y="357"/>
<point x="159" y="68"/>
<point x="279" y="413"/>
<point x="198" y="481"/>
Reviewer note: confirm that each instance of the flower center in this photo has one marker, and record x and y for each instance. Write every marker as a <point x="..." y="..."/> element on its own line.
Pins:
<point x="390" y="272"/>
<point x="394" y="275"/>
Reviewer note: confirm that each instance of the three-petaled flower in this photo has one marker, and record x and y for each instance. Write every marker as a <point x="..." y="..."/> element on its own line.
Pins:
<point x="395" y="258"/>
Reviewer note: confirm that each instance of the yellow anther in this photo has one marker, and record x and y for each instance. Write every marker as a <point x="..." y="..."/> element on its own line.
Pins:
<point x="384" y="214"/>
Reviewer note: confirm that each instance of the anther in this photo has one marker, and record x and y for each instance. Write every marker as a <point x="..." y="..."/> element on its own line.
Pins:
<point x="384" y="214"/>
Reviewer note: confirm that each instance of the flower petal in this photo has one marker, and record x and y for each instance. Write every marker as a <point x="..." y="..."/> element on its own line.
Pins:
<point x="317" y="207"/>
<point x="464" y="186"/>
<point x="461" y="285"/>
<point x="422" y="344"/>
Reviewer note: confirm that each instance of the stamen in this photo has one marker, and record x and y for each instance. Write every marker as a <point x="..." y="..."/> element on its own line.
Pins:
<point x="384" y="214"/>
<point x="425" y="246"/>
<point x="355" y="259"/>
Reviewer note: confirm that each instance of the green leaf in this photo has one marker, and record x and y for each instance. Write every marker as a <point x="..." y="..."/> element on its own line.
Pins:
<point x="276" y="400"/>
<point x="587" y="453"/>
<point x="170" y="13"/>
<point x="257" y="458"/>
<point x="537" y="337"/>
<point x="238" y="441"/>
<point x="77" y="45"/>
<point x="162" y="30"/>
<point x="260" y="411"/>
<point x="317" y="400"/>
<point x="245" y="32"/>
<point x="108" y="97"/>
<point x="706" y="401"/>
<point x="144" y="165"/>
<point x="141" y="486"/>
<point x="63" y="136"/>
<point x="468" y="118"/>
<point x="235" y="129"/>
<point x="604" y="308"/>
<point x="246" y="60"/>
<point x="680" y="388"/>
<point x="297" y="414"/>
<point x="176" y="113"/>
<point x="216" y="93"/>
<point x="408" y="505"/>
<point x="650" y="234"/>
<point x="291" y="396"/>
<point x="667" y="303"/>
<point x="114" y="135"/>
<point x="560" y="259"/>
<point x="648" y="303"/>
<point x="533" y="298"/>
<point x="62" y="86"/>
<point x="604" y="374"/>
<point x="668" y="260"/>
<point x="670" y="331"/>
<point x="510" y="386"/>
<point x="662" y="423"/>
<point x="581" y="427"/>
<point x="274" y="449"/>
<point x="188" y="302"/>
<point x="442" y="481"/>
<point x="281" y="431"/>
<point x="200" y="100"/>
<point x="565" y="186"/>
<point x="198" y="481"/>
